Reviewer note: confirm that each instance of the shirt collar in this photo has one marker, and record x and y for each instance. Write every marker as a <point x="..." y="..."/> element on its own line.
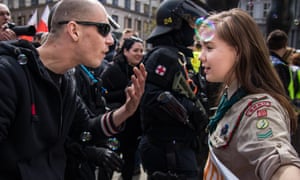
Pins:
<point x="231" y="89"/>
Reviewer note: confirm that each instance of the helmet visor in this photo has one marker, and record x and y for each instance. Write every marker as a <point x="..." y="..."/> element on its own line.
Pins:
<point x="189" y="11"/>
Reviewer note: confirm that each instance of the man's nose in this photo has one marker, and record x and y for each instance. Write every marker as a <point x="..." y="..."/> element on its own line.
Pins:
<point x="109" y="39"/>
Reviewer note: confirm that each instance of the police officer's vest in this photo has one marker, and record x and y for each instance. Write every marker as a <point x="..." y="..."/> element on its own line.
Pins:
<point x="296" y="85"/>
<point x="195" y="61"/>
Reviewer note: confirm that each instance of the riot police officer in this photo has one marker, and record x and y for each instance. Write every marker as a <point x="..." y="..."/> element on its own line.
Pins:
<point x="173" y="118"/>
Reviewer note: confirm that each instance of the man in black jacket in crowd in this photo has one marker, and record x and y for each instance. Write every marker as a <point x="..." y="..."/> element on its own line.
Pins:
<point x="277" y="42"/>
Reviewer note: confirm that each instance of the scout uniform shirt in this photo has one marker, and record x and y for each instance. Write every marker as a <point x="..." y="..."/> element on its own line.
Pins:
<point x="253" y="138"/>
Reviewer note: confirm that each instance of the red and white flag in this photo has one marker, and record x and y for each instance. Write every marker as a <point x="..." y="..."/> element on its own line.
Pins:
<point x="32" y="22"/>
<point x="43" y="23"/>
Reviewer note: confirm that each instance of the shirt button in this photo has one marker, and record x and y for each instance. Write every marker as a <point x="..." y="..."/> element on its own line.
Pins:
<point x="278" y="145"/>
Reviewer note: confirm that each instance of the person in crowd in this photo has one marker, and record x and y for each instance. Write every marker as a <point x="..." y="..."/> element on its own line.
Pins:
<point x="294" y="85"/>
<point x="296" y="58"/>
<point x="277" y="42"/>
<point x="287" y="56"/>
<point x="96" y="160"/>
<point x="115" y="79"/>
<point x="295" y="68"/>
<point x="126" y="33"/>
<point x="173" y="117"/>
<point x="44" y="37"/>
<point x="40" y="107"/>
<point x="249" y="135"/>
<point x="5" y="17"/>
<point x="37" y="38"/>
<point x="112" y="50"/>
<point x="280" y="55"/>
<point x="195" y="61"/>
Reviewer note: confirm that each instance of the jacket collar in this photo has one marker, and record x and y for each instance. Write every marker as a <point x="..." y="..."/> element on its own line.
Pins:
<point x="24" y="49"/>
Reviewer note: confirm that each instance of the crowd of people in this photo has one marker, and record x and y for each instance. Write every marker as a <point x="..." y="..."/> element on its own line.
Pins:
<point x="80" y="103"/>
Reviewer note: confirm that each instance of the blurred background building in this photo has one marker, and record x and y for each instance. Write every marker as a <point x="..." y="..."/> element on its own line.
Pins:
<point x="136" y="14"/>
<point x="259" y="10"/>
<point x="140" y="14"/>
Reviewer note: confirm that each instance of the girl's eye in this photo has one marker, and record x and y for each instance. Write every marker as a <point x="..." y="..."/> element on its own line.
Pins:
<point x="207" y="48"/>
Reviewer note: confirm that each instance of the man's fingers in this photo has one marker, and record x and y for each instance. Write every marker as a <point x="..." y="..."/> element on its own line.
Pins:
<point x="7" y="34"/>
<point x="139" y="79"/>
<point x="143" y="70"/>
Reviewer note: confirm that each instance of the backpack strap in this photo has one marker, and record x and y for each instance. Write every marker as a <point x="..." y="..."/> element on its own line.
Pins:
<point x="22" y="60"/>
<point x="18" y="53"/>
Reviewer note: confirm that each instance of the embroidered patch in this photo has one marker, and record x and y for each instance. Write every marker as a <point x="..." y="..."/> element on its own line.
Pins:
<point x="256" y="106"/>
<point x="266" y="134"/>
<point x="262" y="124"/>
<point x="160" y="70"/>
<point x="262" y="113"/>
<point x="224" y="130"/>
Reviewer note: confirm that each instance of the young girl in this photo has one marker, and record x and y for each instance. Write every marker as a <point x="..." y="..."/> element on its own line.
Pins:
<point x="249" y="135"/>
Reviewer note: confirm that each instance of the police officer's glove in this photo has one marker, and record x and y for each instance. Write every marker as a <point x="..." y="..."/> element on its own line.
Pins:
<point x="104" y="158"/>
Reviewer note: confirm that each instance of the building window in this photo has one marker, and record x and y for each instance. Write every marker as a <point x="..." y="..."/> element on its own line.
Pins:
<point x="138" y="25"/>
<point x="21" y="3"/>
<point x="146" y="27"/>
<point x="249" y="8"/>
<point x="13" y="19"/>
<point x="10" y="4"/>
<point x="34" y="2"/>
<point x="115" y="17"/>
<point x="138" y="6"/>
<point x="127" y="4"/>
<point x="21" y="20"/>
<point x="103" y="1"/>
<point x="266" y="9"/>
<point x="115" y="2"/>
<point x="153" y="12"/>
<point x="127" y="22"/>
<point x="146" y="9"/>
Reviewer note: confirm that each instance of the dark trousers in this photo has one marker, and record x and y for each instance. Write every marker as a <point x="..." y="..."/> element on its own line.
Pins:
<point x="129" y="162"/>
<point x="157" y="157"/>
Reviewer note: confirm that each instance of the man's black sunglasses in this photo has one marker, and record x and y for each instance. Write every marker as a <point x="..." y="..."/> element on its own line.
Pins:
<point x="103" y="28"/>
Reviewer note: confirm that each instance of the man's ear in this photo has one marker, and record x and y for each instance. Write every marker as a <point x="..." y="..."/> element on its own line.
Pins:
<point x="73" y="30"/>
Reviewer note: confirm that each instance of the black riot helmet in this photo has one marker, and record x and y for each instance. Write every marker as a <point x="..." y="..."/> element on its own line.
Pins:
<point x="171" y="13"/>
